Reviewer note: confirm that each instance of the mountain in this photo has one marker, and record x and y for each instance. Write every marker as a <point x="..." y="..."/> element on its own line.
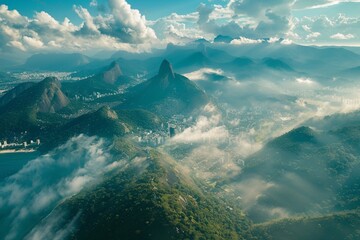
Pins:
<point x="201" y="40"/>
<point x="45" y="96"/>
<point x="242" y="62"/>
<point x="55" y="62"/>
<point x="167" y="94"/>
<point x="223" y="39"/>
<point x="139" y="118"/>
<point x="103" y="122"/>
<point x="276" y="64"/>
<point x="194" y="61"/>
<point x="351" y="73"/>
<point x="22" y="112"/>
<point x="107" y="80"/>
<point x="13" y="93"/>
<point x="149" y="198"/>
<point x="319" y="168"/>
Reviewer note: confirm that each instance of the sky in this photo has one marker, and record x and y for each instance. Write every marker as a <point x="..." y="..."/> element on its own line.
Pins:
<point x="135" y="25"/>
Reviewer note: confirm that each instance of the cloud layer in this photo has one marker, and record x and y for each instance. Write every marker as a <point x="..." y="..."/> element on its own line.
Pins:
<point x="29" y="195"/>
<point x="118" y="26"/>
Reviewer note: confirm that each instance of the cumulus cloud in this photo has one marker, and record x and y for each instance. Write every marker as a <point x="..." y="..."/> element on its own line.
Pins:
<point x="243" y="41"/>
<point x="118" y="26"/>
<point x="177" y="29"/>
<point x="29" y="195"/>
<point x="340" y="36"/>
<point x="327" y="30"/>
<point x="313" y="35"/>
<point x="130" y="21"/>
<point x="122" y="28"/>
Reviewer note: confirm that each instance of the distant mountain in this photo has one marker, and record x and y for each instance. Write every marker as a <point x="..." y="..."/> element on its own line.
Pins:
<point x="150" y="198"/>
<point x="13" y="93"/>
<point x="242" y="62"/>
<point x="352" y="73"/>
<point x="317" y="167"/>
<point x="202" y="56"/>
<point x="107" y="80"/>
<point x="223" y="39"/>
<point x="11" y="59"/>
<point x="55" y="62"/>
<point x="194" y="61"/>
<point x="276" y="64"/>
<point x="21" y="112"/>
<point x="201" y="40"/>
<point x="167" y="94"/>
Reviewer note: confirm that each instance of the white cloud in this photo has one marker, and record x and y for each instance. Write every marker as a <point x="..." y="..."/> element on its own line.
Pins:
<point x="33" y="42"/>
<point x="340" y="36"/>
<point x="44" y="182"/>
<point x="328" y="30"/>
<point x="131" y="20"/>
<point x="313" y="35"/>
<point x="121" y="29"/>
<point x="305" y="81"/>
<point x="202" y="74"/>
<point x="177" y="28"/>
<point x="208" y="128"/>
<point x="93" y="3"/>
<point x="124" y="28"/>
<point x="244" y="41"/>
<point x="89" y="24"/>
<point x="286" y="42"/>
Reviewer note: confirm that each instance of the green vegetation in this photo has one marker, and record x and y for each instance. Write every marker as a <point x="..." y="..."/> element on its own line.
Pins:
<point x="20" y="114"/>
<point x="140" y="117"/>
<point x="150" y="199"/>
<point x="103" y="123"/>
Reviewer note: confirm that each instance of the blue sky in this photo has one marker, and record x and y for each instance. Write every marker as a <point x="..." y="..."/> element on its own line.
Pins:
<point x="138" y="25"/>
<point x="153" y="9"/>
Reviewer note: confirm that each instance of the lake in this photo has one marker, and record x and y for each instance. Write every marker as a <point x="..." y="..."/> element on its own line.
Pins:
<point x="11" y="163"/>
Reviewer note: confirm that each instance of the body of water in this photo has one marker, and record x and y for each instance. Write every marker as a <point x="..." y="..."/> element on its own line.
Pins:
<point x="11" y="163"/>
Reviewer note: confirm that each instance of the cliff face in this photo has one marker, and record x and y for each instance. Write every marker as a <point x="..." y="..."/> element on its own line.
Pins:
<point x="52" y="99"/>
<point x="112" y="74"/>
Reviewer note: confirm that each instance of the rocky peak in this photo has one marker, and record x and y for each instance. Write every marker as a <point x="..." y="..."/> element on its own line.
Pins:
<point x="166" y="70"/>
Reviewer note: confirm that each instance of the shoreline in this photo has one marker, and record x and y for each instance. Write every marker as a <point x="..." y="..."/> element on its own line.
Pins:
<point x="17" y="151"/>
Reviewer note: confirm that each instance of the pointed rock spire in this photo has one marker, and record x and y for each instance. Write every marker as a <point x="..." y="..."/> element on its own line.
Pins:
<point x="166" y="70"/>
<point x="112" y="73"/>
